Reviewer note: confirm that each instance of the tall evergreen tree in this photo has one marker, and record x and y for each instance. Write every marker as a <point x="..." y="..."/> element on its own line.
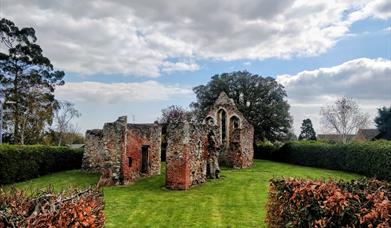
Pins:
<point x="27" y="82"/>
<point x="261" y="100"/>
<point x="307" y="131"/>
<point x="383" y="120"/>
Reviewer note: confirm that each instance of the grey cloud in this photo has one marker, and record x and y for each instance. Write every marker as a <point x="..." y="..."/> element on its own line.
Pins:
<point x="360" y="78"/>
<point x="367" y="81"/>
<point x="142" y="37"/>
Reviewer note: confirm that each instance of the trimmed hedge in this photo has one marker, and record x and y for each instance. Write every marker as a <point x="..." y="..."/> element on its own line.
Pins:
<point x="307" y="203"/>
<point x="24" y="162"/>
<point x="372" y="159"/>
<point x="264" y="150"/>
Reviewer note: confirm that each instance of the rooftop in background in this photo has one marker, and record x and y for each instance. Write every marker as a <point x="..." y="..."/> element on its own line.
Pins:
<point x="334" y="137"/>
<point x="366" y="134"/>
<point x="75" y="146"/>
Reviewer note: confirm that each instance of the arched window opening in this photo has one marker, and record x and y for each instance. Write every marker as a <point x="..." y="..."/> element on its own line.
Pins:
<point x="210" y="121"/>
<point x="223" y="125"/>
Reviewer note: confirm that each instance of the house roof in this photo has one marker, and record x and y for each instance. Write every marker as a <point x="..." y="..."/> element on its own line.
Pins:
<point x="333" y="137"/>
<point x="75" y="146"/>
<point x="368" y="134"/>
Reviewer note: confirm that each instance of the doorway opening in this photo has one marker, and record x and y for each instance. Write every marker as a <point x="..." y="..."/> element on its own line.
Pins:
<point x="144" y="159"/>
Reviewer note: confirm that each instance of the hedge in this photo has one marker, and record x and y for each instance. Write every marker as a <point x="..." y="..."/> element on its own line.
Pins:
<point x="372" y="159"/>
<point x="19" y="163"/>
<point x="265" y="150"/>
<point x="307" y="203"/>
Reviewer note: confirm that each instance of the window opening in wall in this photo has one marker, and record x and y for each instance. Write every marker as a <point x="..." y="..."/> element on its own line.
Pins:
<point x="129" y="161"/>
<point x="223" y="125"/>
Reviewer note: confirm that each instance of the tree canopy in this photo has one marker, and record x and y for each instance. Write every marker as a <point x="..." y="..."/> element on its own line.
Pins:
<point x="307" y="131"/>
<point x="262" y="100"/>
<point x="383" y="120"/>
<point x="28" y="80"/>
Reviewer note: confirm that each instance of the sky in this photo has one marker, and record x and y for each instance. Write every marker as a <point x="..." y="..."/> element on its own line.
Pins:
<point x="135" y="58"/>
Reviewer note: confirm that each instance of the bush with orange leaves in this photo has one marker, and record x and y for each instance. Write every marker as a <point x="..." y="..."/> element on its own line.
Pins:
<point x="307" y="203"/>
<point x="48" y="209"/>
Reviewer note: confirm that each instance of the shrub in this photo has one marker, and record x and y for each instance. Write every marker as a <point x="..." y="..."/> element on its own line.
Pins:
<point x="368" y="158"/>
<point x="47" y="209"/>
<point x="19" y="162"/>
<point x="296" y="203"/>
<point x="265" y="150"/>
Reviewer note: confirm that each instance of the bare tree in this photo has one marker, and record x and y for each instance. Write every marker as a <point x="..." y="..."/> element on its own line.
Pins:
<point x="345" y="117"/>
<point x="63" y="116"/>
<point x="174" y="113"/>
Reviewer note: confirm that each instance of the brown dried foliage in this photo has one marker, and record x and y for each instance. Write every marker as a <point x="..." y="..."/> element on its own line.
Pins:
<point x="306" y="203"/>
<point x="48" y="209"/>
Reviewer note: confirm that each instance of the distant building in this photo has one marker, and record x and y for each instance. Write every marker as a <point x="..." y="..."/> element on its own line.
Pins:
<point x="362" y="135"/>
<point x="334" y="138"/>
<point x="366" y="134"/>
<point x="75" y="146"/>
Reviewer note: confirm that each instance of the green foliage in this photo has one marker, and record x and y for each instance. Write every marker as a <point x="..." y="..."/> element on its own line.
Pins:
<point x="265" y="150"/>
<point x="307" y="131"/>
<point x="383" y="120"/>
<point x="368" y="158"/>
<point x="28" y="81"/>
<point x="52" y="137"/>
<point x="306" y="203"/>
<point x="19" y="163"/>
<point x="261" y="100"/>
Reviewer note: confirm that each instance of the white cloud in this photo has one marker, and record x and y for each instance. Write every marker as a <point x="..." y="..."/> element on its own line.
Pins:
<point x="147" y="38"/>
<point x="97" y="92"/>
<point x="368" y="81"/>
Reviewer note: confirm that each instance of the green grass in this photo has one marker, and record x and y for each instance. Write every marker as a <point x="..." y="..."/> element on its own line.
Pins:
<point x="58" y="181"/>
<point x="236" y="200"/>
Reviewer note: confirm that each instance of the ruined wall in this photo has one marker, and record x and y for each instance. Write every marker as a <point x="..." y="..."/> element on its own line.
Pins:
<point x="115" y="151"/>
<point x="114" y="139"/>
<point x="139" y="136"/>
<point x="235" y="133"/>
<point x="103" y="149"/>
<point x="94" y="152"/>
<point x="240" y="152"/>
<point x="186" y="155"/>
<point x="247" y="142"/>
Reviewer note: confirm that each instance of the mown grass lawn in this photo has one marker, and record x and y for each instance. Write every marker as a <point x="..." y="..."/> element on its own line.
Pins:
<point x="236" y="200"/>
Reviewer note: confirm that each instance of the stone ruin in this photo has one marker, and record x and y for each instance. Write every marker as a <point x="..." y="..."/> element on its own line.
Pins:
<point x="236" y="134"/>
<point x="191" y="154"/>
<point x="124" y="153"/>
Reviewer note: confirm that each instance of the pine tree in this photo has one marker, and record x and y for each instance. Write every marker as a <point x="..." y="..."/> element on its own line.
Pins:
<point x="307" y="131"/>
<point x="27" y="82"/>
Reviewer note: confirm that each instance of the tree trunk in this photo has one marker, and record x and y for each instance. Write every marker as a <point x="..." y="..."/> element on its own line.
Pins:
<point x="16" y="108"/>
<point x="60" y="139"/>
